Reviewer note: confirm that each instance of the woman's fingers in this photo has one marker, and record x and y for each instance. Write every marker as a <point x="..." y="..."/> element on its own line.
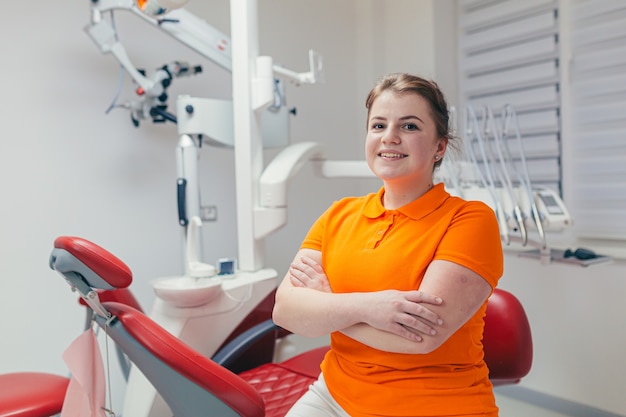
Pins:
<point x="404" y="313"/>
<point x="309" y="275"/>
<point x="416" y="309"/>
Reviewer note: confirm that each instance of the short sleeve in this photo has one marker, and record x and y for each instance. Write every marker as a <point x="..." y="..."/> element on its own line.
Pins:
<point x="315" y="235"/>
<point x="473" y="240"/>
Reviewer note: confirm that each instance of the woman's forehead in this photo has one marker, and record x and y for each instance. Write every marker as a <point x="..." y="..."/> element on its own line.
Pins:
<point x="399" y="102"/>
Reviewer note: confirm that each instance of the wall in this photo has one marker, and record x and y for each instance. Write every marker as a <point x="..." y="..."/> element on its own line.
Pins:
<point x="576" y="316"/>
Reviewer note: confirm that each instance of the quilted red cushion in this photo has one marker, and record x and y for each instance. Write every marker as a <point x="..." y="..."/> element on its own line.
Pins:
<point x="279" y="387"/>
<point x="281" y="384"/>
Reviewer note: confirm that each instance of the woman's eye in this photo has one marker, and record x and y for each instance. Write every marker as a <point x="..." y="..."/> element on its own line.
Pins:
<point x="378" y="126"/>
<point x="411" y="126"/>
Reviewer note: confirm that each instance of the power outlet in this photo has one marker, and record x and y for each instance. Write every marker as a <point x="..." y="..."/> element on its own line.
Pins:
<point x="208" y="213"/>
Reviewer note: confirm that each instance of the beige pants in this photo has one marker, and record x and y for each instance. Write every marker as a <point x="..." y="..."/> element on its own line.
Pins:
<point x="317" y="402"/>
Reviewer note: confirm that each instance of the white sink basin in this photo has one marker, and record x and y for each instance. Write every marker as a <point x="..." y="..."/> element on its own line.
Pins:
<point x="185" y="291"/>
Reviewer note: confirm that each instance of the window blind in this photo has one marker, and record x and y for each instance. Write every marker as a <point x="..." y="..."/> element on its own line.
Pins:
<point x="598" y="106"/>
<point x="509" y="54"/>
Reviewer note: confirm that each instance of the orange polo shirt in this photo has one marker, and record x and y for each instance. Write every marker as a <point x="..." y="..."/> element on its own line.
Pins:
<point x="366" y="247"/>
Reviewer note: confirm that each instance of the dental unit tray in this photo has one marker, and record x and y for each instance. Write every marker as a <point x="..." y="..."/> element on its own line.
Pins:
<point x="563" y="256"/>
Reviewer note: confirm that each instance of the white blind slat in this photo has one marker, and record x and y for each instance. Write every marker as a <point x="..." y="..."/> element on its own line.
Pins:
<point x="515" y="78"/>
<point x="547" y="121"/>
<point x="537" y="146"/>
<point x="501" y="10"/>
<point x="598" y="33"/>
<point x="513" y="55"/>
<point x="602" y="197"/>
<point x="522" y="100"/>
<point x="603" y="224"/>
<point x="604" y="168"/>
<point x="600" y="141"/>
<point x="531" y="25"/>
<point x="590" y="87"/>
<point x="601" y="112"/>
<point x="588" y="9"/>
<point x="543" y="170"/>
<point x="599" y="59"/>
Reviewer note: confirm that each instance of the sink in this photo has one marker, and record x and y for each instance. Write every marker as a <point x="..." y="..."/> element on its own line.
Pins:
<point x="186" y="291"/>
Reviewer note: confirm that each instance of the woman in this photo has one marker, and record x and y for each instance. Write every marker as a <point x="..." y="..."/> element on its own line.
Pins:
<point x="398" y="278"/>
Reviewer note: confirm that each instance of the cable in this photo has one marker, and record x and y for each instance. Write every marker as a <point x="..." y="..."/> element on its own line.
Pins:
<point x="505" y="178"/>
<point x="508" y="114"/>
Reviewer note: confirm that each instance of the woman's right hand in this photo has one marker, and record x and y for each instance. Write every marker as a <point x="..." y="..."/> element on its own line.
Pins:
<point x="402" y="313"/>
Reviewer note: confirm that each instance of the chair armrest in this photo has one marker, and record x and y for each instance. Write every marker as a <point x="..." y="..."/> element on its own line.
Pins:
<point x="230" y="352"/>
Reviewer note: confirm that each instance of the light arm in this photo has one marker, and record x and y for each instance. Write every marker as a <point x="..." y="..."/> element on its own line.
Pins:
<point x="103" y="34"/>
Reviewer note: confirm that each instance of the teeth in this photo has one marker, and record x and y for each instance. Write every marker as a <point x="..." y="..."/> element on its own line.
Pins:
<point x="391" y="155"/>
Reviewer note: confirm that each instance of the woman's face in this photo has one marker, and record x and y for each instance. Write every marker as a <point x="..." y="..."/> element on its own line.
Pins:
<point x="402" y="140"/>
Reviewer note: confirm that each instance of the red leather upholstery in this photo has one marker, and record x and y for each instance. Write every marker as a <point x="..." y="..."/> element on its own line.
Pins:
<point x="281" y="384"/>
<point x="31" y="394"/>
<point x="307" y="363"/>
<point x="507" y="339"/>
<point x="170" y="350"/>
<point x="99" y="260"/>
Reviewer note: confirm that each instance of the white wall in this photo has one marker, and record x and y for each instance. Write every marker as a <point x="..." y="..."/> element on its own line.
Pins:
<point x="576" y="316"/>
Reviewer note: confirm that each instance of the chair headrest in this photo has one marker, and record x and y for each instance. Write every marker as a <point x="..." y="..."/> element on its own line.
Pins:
<point x="98" y="267"/>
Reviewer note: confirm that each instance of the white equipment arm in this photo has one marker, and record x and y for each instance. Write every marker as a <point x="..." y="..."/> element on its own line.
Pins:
<point x="191" y="31"/>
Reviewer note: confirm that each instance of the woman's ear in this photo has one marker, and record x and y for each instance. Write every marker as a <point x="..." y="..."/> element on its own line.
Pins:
<point x="442" y="145"/>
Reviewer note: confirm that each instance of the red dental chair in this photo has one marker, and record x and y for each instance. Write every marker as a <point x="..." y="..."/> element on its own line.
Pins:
<point x="193" y="385"/>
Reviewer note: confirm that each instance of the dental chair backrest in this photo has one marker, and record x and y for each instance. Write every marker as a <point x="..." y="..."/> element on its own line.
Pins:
<point x="191" y="384"/>
<point x="507" y="339"/>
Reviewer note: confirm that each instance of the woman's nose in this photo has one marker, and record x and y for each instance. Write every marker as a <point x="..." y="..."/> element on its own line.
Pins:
<point x="390" y="136"/>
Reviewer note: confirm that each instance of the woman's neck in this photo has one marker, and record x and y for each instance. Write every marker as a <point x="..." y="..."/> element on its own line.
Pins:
<point x="396" y="196"/>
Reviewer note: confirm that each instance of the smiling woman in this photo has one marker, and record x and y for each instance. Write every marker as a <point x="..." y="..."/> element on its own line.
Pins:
<point x="398" y="278"/>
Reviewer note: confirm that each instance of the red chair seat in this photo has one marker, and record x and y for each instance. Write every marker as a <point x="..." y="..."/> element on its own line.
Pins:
<point x="281" y="384"/>
<point x="31" y="394"/>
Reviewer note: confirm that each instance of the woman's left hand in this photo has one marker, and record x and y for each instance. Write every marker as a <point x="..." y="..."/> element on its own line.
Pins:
<point x="309" y="274"/>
